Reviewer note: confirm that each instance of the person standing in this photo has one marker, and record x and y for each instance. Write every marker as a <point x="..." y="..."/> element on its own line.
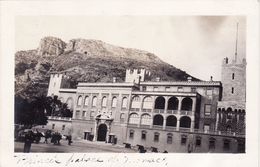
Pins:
<point x="28" y="141"/>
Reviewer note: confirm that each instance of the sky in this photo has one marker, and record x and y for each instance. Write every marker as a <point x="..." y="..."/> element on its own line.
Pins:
<point x="195" y="44"/>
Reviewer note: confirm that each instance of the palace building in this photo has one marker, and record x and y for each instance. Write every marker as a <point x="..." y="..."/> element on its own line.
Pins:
<point x="176" y="116"/>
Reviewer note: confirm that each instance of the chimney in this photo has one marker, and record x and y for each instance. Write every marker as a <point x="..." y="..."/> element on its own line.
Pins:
<point x="114" y="79"/>
<point x="189" y="79"/>
<point x="157" y="79"/>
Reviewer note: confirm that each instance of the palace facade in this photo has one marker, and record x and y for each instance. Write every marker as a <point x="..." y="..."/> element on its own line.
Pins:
<point x="179" y="116"/>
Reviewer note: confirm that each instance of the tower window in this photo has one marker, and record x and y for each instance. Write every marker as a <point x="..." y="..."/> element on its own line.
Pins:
<point x="232" y="90"/>
<point x="233" y="76"/>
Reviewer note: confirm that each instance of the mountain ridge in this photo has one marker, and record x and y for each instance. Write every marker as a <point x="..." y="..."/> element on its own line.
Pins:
<point x="85" y="60"/>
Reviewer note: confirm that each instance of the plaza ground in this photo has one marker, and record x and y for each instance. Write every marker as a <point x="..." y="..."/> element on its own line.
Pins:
<point x="78" y="146"/>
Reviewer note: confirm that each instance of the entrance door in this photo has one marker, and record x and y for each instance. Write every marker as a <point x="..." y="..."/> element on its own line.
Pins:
<point x="102" y="132"/>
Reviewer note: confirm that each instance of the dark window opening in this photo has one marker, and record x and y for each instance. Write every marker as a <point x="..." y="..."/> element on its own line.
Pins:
<point x="158" y="120"/>
<point x="156" y="137"/>
<point x="212" y="143"/>
<point x="226" y="144"/>
<point x="143" y="135"/>
<point x="131" y="134"/>
<point x="198" y="141"/>
<point x="159" y="103"/>
<point x="183" y="139"/>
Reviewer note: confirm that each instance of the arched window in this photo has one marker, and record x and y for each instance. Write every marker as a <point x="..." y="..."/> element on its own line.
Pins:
<point x="233" y="76"/>
<point x="158" y="120"/>
<point x="186" y="104"/>
<point x="173" y="103"/>
<point x="185" y="122"/>
<point x="104" y="101"/>
<point x="79" y="101"/>
<point x="114" y="102"/>
<point x="148" y="102"/>
<point x="171" y="121"/>
<point x="133" y="118"/>
<point x="124" y="102"/>
<point x="136" y="103"/>
<point x="86" y="102"/>
<point x="94" y="101"/>
<point x="136" y="98"/>
<point x="159" y="103"/>
<point x="145" y="119"/>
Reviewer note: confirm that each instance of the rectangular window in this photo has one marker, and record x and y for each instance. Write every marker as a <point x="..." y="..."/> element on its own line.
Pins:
<point x="84" y="113"/>
<point x="206" y="128"/>
<point x="131" y="134"/>
<point x="193" y="89"/>
<point x="207" y="110"/>
<point x="156" y="137"/>
<point x="232" y="90"/>
<point x="155" y="89"/>
<point x="53" y="126"/>
<point x="183" y="139"/>
<point x="198" y="141"/>
<point x="212" y="144"/>
<point x="209" y="92"/>
<point x="144" y="88"/>
<point x="167" y="89"/>
<point x="143" y="135"/>
<point x="169" y="139"/>
<point x="226" y="144"/>
<point x="77" y="114"/>
<point x="92" y="115"/>
<point x="180" y="89"/>
<point x="63" y="127"/>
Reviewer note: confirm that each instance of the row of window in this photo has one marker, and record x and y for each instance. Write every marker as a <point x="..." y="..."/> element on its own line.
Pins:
<point x="103" y="102"/>
<point x="62" y="128"/>
<point x="92" y="115"/>
<point x="208" y="92"/>
<point x="169" y="140"/>
<point x="173" y="103"/>
<point x="158" y="119"/>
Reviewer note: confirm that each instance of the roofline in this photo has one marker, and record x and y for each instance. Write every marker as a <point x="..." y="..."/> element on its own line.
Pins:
<point x="184" y="83"/>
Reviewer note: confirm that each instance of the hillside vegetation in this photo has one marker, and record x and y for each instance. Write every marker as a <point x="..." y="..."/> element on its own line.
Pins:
<point x="84" y="60"/>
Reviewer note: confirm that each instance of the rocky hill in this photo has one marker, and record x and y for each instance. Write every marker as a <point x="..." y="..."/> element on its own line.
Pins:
<point x="83" y="60"/>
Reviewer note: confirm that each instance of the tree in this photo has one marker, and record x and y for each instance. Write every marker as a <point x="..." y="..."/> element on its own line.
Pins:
<point x="35" y="112"/>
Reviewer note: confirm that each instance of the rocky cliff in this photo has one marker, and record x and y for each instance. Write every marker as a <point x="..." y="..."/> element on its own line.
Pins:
<point x="83" y="60"/>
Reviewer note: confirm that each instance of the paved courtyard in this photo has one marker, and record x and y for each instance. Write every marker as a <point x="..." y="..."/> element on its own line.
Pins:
<point x="78" y="146"/>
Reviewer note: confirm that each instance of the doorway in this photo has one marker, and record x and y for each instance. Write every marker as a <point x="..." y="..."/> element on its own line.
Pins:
<point x="102" y="132"/>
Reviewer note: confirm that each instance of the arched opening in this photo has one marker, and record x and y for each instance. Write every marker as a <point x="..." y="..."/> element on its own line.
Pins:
<point x="186" y="104"/>
<point x="173" y="103"/>
<point x="79" y="101"/>
<point x="145" y="119"/>
<point x="136" y="102"/>
<point x="102" y="132"/>
<point x="159" y="103"/>
<point x="104" y="101"/>
<point x="114" y="102"/>
<point x="185" y="122"/>
<point x="124" y="102"/>
<point x="94" y="101"/>
<point x="158" y="120"/>
<point x="148" y="102"/>
<point x="171" y="121"/>
<point x="86" y="102"/>
<point x="133" y="118"/>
